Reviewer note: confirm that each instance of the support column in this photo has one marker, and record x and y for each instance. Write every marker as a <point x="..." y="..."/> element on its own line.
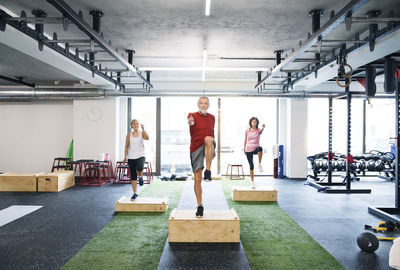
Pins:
<point x="129" y="114"/>
<point x="397" y="162"/>
<point x="158" y="137"/>
<point x="330" y="154"/>
<point x="348" y="150"/>
<point x="219" y="138"/>
<point x="293" y="118"/>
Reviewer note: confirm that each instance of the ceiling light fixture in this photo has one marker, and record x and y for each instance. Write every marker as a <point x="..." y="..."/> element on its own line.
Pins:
<point x="208" y="5"/>
<point x="203" y="74"/>
<point x="250" y="69"/>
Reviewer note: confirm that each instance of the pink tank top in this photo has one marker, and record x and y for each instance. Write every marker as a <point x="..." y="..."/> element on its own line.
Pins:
<point x="253" y="139"/>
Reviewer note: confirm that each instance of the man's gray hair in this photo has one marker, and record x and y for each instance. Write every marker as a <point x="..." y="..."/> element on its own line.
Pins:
<point x="202" y="98"/>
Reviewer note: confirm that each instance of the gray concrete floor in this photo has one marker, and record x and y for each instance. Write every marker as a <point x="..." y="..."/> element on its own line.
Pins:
<point x="335" y="220"/>
<point x="50" y="236"/>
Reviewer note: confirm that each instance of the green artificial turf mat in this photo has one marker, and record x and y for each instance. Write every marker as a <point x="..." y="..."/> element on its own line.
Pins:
<point x="272" y="239"/>
<point x="131" y="240"/>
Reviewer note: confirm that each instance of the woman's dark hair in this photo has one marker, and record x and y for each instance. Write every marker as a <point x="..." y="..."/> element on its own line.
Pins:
<point x="254" y="118"/>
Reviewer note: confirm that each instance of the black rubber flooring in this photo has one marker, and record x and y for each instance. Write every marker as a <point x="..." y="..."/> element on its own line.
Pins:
<point x="50" y="236"/>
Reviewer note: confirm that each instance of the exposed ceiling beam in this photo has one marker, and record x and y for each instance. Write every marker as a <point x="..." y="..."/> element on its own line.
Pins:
<point x="340" y="17"/>
<point x="81" y="24"/>
<point x="385" y="44"/>
<point x="17" y="81"/>
<point x="13" y="38"/>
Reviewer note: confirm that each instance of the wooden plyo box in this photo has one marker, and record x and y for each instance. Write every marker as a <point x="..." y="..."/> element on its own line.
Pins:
<point x="18" y="182"/>
<point x="56" y="181"/>
<point x="141" y="205"/>
<point x="259" y="193"/>
<point x="214" y="226"/>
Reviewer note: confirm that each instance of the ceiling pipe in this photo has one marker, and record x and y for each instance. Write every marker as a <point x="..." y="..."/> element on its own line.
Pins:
<point x="20" y="81"/>
<point x="43" y="93"/>
<point x="25" y="94"/>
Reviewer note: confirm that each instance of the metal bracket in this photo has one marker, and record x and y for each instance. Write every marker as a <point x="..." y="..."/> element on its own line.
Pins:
<point x="373" y="29"/>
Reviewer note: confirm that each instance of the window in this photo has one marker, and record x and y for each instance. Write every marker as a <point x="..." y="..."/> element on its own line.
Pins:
<point x="318" y="122"/>
<point x="235" y="116"/>
<point x="175" y="136"/>
<point x="144" y="110"/>
<point x="380" y="124"/>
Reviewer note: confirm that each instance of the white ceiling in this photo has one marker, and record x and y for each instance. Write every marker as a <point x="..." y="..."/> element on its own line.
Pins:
<point x="174" y="34"/>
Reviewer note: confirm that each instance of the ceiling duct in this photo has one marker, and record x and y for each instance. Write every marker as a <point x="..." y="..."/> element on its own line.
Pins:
<point x="50" y="94"/>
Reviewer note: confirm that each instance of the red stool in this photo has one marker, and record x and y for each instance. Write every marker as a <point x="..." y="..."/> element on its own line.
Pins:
<point x="238" y="176"/>
<point x="80" y="166"/>
<point x="93" y="174"/>
<point x="148" y="172"/>
<point x="61" y="163"/>
<point x="107" y="171"/>
<point x="122" y="173"/>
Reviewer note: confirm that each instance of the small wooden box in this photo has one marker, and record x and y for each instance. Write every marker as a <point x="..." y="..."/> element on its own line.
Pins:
<point x="214" y="226"/>
<point x="259" y="193"/>
<point x="56" y="181"/>
<point x="141" y="205"/>
<point x="18" y="182"/>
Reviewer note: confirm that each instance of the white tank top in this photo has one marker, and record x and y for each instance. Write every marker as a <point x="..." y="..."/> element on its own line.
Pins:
<point x="136" y="147"/>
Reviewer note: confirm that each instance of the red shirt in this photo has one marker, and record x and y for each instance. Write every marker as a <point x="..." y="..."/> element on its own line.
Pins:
<point x="203" y="127"/>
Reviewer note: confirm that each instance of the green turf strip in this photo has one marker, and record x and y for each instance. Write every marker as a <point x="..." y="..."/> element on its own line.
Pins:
<point x="131" y="240"/>
<point x="272" y="239"/>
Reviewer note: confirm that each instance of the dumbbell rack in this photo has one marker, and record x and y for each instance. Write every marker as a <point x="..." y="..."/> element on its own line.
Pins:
<point x="388" y="213"/>
<point x="362" y="165"/>
<point x="326" y="186"/>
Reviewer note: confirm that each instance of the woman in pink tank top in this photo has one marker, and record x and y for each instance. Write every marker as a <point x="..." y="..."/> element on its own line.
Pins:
<point x="252" y="146"/>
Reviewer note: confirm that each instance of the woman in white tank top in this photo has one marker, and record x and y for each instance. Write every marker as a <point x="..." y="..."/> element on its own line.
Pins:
<point x="135" y="154"/>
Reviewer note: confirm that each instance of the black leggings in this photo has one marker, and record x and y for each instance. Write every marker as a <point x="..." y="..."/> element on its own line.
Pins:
<point x="249" y="156"/>
<point x="136" y="165"/>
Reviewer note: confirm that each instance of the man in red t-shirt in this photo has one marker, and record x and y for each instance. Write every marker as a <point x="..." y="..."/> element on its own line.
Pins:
<point x="202" y="145"/>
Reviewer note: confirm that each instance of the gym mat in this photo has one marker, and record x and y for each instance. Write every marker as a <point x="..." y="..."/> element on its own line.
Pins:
<point x="15" y="212"/>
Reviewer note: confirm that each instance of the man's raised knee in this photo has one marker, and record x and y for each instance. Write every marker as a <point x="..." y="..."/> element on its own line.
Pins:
<point x="208" y="140"/>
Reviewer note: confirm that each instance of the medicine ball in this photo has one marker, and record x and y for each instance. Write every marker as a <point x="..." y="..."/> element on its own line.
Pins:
<point x="367" y="242"/>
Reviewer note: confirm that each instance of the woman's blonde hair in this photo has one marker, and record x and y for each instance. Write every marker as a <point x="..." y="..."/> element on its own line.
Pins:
<point x="134" y="120"/>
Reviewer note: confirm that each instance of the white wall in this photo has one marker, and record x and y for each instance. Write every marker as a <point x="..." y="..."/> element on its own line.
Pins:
<point x="282" y="130"/>
<point x="297" y="140"/>
<point x="293" y="135"/>
<point x="32" y="134"/>
<point x="96" y="128"/>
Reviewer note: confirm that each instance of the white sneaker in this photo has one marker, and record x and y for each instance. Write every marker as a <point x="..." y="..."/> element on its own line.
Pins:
<point x="253" y="185"/>
<point x="260" y="168"/>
